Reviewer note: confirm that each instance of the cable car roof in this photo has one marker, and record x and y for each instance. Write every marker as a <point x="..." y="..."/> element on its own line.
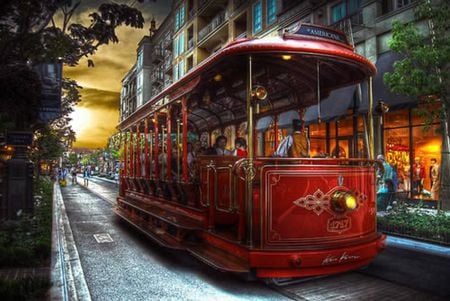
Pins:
<point x="286" y="66"/>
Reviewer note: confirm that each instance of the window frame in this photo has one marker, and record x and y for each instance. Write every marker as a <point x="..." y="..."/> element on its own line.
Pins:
<point x="269" y="17"/>
<point x="257" y="27"/>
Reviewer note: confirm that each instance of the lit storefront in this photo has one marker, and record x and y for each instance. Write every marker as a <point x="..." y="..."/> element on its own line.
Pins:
<point x="409" y="139"/>
<point x="403" y="134"/>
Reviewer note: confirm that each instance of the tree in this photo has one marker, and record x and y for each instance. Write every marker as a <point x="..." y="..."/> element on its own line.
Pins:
<point x="30" y="34"/>
<point x="424" y="72"/>
<point x="47" y="146"/>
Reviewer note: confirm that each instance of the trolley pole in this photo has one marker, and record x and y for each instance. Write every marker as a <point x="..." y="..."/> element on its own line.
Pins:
<point x="249" y="171"/>
<point x="178" y="148"/>
<point x="370" y="117"/>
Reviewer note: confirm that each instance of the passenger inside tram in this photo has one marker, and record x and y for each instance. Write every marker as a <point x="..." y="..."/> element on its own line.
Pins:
<point x="219" y="147"/>
<point x="240" y="147"/>
<point x="295" y="144"/>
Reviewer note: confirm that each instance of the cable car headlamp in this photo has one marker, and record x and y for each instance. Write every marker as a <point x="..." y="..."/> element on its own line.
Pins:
<point x="342" y="201"/>
<point x="259" y="92"/>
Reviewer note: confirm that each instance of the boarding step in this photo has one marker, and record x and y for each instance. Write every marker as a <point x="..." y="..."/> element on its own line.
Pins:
<point x="219" y="259"/>
<point x="157" y="234"/>
<point x="174" y="218"/>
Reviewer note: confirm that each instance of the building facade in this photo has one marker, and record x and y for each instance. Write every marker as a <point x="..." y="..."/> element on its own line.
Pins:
<point x="196" y="29"/>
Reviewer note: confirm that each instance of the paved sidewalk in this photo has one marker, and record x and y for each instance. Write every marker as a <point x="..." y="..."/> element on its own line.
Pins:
<point x="67" y="277"/>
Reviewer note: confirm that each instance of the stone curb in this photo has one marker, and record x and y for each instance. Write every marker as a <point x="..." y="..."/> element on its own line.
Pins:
<point x="67" y="277"/>
<point x="418" y="246"/>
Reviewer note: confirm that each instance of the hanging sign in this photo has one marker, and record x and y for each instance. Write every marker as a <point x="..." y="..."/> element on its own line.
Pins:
<point x="19" y="138"/>
<point x="50" y="75"/>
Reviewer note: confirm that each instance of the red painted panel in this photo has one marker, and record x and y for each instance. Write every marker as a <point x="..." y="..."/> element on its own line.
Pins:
<point x="296" y="206"/>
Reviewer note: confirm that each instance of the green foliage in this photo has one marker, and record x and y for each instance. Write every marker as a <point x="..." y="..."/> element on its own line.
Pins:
<point x="24" y="289"/>
<point x="416" y="75"/>
<point x="48" y="144"/>
<point x="27" y="242"/>
<point x="73" y="159"/>
<point x="416" y="222"/>
<point x="424" y="71"/>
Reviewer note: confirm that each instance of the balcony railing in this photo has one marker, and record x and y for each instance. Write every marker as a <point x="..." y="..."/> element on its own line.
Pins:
<point x="241" y="36"/>
<point x="168" y="64"/>
<point x="167" y="82"/>
<point x="218" y="20"/>
<point x="157" y="77"/>
<point x="157" y="55"/>
<point x="168" y="44"/>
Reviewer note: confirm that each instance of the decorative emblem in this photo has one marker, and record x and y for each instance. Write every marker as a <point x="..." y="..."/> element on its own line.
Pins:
<point x="319" y="202"/>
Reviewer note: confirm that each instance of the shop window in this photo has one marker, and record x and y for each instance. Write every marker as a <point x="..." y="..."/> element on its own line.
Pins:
<point x="397" y="150"/>
<point x="426" y="114"/>
<point x="345" y="127"/>
<point x="426" y="146"/>
<point x="318" y="140"/>
<point x="339" y="150"/>
<point x="257" y="17"/>
<point x="395" y="119"/>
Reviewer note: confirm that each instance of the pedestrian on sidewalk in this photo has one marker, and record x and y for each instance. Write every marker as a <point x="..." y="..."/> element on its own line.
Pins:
<point x="74" y="175"/>
<point x="86" y="176"/>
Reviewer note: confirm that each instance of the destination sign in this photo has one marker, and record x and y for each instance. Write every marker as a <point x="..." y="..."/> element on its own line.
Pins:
<point x="321" y="32"/>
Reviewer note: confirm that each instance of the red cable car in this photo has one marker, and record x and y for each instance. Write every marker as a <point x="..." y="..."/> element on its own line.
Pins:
<point x="269" y="216"/>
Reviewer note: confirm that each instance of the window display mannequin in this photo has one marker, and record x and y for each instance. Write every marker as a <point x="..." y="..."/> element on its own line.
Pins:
<point x="418" y="175"/>
<point x="406" y="178"/>
<point x="435" y="177"/>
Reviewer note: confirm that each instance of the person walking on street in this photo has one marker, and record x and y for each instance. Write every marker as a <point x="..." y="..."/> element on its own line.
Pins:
<point x="86" y="176"/>
<point x="74" y="175"/>
<point x="387" y="173"/>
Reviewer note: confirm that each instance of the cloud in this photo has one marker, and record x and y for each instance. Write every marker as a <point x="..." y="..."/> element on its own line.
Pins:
<point x="99" y="99"/>
<point x="97" y="114"/>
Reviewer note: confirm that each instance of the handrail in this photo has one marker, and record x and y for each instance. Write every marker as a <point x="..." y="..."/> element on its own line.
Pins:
<point x="323" y="161"/>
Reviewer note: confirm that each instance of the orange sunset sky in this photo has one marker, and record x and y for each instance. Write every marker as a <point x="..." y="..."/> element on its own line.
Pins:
<point x="95" y="118"/>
